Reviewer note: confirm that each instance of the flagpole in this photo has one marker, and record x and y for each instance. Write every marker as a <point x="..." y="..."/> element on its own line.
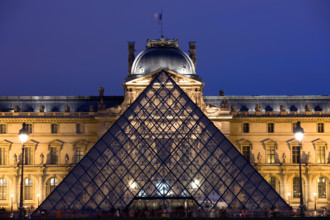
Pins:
<point x="161" y="23"/>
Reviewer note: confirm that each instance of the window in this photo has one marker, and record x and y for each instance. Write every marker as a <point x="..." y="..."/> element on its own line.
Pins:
<point x="79" y="153"/>
<point x="246" y="152"/>
<point x="54" y="128"/>
<point x="79" y="128"/>
<point x="296" y="187"/>
<point x="270" y="154"/>
<point x="3" y="189"/>
<point x="295" y="154"/>
<point x="51" y="185"/>
<point x="3" y="129"/>
<point x="29" y="127"/>
<point x="28" y="153"/>
<point x="272" y="182"/>
<point x="294" y="125"/>
<point x="320" y="127"/>
<point x="3" y="156"/>
<point x="53" y="155"/>
<point x="246" y="128"/>
<point x="270" y="127"/>
<point x="320" y="154"/>
<point x="28" y="195"/>
<point x="321" y="186"/>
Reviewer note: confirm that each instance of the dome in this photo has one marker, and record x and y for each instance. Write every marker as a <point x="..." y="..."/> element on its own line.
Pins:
<point x="159" y="56"/>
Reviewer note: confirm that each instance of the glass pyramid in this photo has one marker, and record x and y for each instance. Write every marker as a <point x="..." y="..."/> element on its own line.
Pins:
<point x="163" y="146"/>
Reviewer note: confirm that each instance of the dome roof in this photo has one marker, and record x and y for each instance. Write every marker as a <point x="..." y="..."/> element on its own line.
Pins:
<point x="159" y="56"/>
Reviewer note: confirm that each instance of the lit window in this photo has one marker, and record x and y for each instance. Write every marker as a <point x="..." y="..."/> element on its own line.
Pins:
<point x="3" y="156"/>
<point x="54" y="128"/>
<point x="270" y="127"/>
<point x="3" y="189"/>
<point x="272" y="182"/>
<point x="246" y="150"/>
<point x="28" y="194"/>
<point x="52" y="184"/>
<point x="320" y="151"/>
<point x="3" y="129"/>
<point x="79" y="153"/>
<point x="53" y="155"/>
<point x="295" y="154"/>
<point x="320" y="128"/>
<point x="270" y="154"/>
<point x="321" y="186"/>
<point x="28" y="153"/>
<point x="296" y="187"/>
<point x="79" y="128"/>
<point x="246" y="128"/>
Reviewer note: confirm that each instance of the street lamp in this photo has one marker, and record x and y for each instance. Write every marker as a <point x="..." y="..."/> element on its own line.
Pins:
<point x="289" y="194"/>
<point x="23" y="135"/>
<point x="299" y="134"/>
<point x="38" y="196"/>
<point x="11" y="201"/>
<point x="315" y="201"/>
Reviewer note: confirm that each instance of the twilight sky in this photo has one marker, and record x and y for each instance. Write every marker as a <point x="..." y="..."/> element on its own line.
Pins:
<point x="245" y="47"/>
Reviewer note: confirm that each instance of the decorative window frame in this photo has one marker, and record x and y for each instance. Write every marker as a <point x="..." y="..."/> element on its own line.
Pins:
<point x="6" y="128"/>
<point x="317" y="127"/>
<point x="249" y="127"/>
<point x="267" y="127"/>
<point x="59" y="145"/>
<point x="266" y="144"/>
<point x="244" y="142"/>
<point x="7" y="146"/>
<point x="57" y="128"/>
<point x="319" y="142"/>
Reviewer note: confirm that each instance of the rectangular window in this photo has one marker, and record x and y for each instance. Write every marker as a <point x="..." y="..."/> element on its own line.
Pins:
<point x="2" y="156"/>
<point x="247" y="152"/>
<point x="320" y="128"/>
<point x="295" y="154"/>
<point x="270" y="127"/>
<point x="294" y="125"/>
<point x="79" y="128"/>
<point x="271" y="154"/>
<point x="54" y="128"/>
<point x="246" y="128"/>
<point x="272" y="182"/>
<point x="53" y="155"/>
<point x="321" y="186"/>
<point x="79" y="153"/>
<point x="3" y="129"/>
<point x="3" y="189"/>
<point x="29" y="127"/>
<point x="320" y="154"/>
<point x="28" y="156"/>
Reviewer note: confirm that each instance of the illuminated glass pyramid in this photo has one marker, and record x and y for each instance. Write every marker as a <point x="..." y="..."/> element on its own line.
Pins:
<point x="163" y="146"/>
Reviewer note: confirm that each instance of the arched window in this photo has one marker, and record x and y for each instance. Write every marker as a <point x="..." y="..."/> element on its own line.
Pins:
<point x="28" y="189"/>
<point x="321" y="186"/>
<point x="3" y="189"/>
<point x="51" y="184"/>
<point x="296" y="187"/>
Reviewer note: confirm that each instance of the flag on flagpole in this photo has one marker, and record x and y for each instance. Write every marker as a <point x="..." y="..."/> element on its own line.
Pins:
<point x="158" y="16"/>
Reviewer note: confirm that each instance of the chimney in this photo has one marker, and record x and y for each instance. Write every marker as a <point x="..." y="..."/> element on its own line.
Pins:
<point x="131" y="55"/>
<point x="192" y="52"/>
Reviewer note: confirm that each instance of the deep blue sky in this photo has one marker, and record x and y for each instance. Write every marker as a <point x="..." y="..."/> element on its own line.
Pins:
<point x="246" y="47"/>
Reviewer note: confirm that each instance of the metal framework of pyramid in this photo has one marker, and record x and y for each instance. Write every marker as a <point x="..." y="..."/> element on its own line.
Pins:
<point x="163" y="146"/>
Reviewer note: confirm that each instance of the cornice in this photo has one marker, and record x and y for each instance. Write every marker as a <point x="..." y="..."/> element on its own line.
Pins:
<point x="280" y="119"/>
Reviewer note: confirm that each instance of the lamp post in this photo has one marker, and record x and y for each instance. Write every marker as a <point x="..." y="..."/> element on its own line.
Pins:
<point x="289" y="194"/>
<point x="23" y="135"/>
<point x="38" y="196"/>
<point x="299" y="134"/>
<point x="11" y="202"/>
<point x="315" y="201"/>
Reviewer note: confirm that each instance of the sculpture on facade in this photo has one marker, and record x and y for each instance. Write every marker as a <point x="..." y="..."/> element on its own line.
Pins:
<point x="42" y="159"/>
<point x="283" y="157"/>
